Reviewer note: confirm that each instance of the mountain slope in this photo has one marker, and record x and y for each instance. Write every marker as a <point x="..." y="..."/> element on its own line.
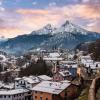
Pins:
<point x="92" y="48"/>
<point x="24" y="42"/>
<point x="70" y="35"/>
<point x="67" y="35"/>
<point x="2" y="39"/>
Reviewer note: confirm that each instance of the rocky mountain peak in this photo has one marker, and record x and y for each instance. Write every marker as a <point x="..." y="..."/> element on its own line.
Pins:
<point x="66" y="23"/>
<point x="48" y="26"/>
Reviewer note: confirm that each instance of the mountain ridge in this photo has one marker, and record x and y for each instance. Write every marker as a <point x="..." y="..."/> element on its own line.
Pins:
<point x="68" y="35"/>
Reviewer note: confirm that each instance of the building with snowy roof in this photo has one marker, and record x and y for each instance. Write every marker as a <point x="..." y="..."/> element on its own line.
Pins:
<point x="62" y="75"/>
<point x="15" y="94"/>
<point x="44" y="78"/>
<point x="47" y="90"/>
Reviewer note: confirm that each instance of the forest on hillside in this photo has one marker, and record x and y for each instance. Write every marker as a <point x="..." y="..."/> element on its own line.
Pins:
<point x="94" y="49"/>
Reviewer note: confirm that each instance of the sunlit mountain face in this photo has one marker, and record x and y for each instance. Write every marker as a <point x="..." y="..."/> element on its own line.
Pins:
<point x="66" y="36"/>
<point x="18" y="17"/>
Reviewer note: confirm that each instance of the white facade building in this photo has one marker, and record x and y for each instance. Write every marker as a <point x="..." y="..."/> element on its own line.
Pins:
<point x="16" y="94"/>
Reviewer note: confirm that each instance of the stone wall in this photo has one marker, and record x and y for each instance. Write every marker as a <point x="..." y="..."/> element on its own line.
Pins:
<point x="93" y="88"/>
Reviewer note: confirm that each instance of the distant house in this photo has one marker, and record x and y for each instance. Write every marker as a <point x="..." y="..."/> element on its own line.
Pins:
<point x="31" y="81"/>
<point x="71" y="66"/>
<point x="14" y="73"/>
<point x="62" y="75"/>
<point x="26" y="82"/>
<point x="55" y="56"/>
<point x="92" y="66"/>
<point x="73" y="70"/>
<point x="38" y="88"/>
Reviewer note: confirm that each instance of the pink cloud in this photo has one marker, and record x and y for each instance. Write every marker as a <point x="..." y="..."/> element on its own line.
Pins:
<point x="22" y="21"/>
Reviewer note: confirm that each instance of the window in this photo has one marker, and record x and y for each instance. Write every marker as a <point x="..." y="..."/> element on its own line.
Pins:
<point x="28" y="86"/>
<point x="46" y="98"/>
<point x="4" y="96"/>
<point x="0" y="96"/>
<point x="40" y="98"/>
<point x="65" y="94"/>
<point x="29" y="92"/>
<point x="21" y="82"/>
<point x="35" y="97"/>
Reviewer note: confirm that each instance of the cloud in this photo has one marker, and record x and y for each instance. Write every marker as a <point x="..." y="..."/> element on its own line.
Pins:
<point x="94" y="25"/>
<point x="57" y="15"/>
<point x="1" y="7"/>
<point x="10" y="24"/>
<point x="32" y="12"/>
<point x="52" y="4"/>
<point x="0" y="3"/>
<point x="85" y="1"/>
<point x="34" y="3"/>
<point x="89" y="1"/>
<point x="22" y="21"/>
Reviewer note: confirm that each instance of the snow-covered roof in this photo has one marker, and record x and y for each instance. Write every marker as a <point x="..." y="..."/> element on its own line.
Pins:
<point x="68" y="62"/>
<point x="45" y="77"/>
<point x="13" y="92"/>
<point x="54" y="54"/>
<point x="86" y="60"/>
<point x="92" y="66"/>
<point x="65" y="73"/>
<point x="16" y="79"/>
<point x="7" y="86"/>
<point x="3" y="58"/>
<point x="71" y="65"/>
<point x="25" y="65"/>
<point x="51" y="87"/>
<point x="74" y="66"/>
<point x="54" y="58"/>
<point x="14" y="70"/>
<point x="86" y="57"/>
<point x="31" y="79"/>
<point x="97" y="62"/>
<point x="1" y="84"/>
<point x="65" y="81"/>
<point x="70" y="55"/>
<point x="35" y="79"/>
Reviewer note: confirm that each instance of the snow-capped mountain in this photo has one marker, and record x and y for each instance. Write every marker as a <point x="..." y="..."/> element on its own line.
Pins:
<point x="48" y="29"/>
<point x="69" y="27"/>
<point x="67" y="35"/>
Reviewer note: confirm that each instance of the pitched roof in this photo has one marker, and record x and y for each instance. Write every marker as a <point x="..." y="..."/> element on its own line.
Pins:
<point x="51" y="87"/>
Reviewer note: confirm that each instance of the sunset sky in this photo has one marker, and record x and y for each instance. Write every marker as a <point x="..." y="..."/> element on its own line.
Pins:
<point x="19" y="17"/>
